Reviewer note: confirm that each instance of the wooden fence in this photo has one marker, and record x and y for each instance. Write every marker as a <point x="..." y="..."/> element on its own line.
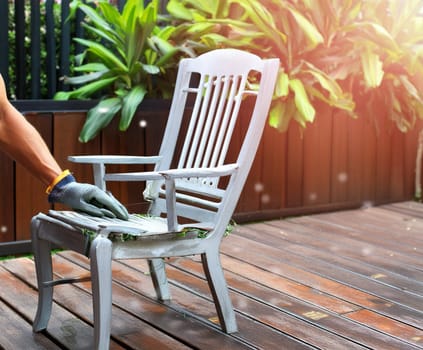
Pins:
<point x="39" y="41"/>
<point x="336" y="163"/>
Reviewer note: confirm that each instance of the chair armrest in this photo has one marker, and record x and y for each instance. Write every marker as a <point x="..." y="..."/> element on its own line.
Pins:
<point x="99" y="164"/>
<point x="134" y="176"/>
<point x="115" y="159"/>
<point x="222" y="170"/>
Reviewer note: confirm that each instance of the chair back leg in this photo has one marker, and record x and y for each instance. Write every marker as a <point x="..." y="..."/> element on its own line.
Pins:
<point x="159" y="278"/>
<point x="219" y="290"/>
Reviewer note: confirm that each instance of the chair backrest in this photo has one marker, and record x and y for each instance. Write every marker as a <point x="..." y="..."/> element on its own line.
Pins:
<point x="218" y="113"/>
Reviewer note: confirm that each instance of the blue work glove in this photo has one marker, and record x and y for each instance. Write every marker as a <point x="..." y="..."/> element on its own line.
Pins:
<point x="86" y="198"/>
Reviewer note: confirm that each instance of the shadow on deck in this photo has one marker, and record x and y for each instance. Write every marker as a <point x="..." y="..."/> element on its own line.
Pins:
<point x="342" y="280"/>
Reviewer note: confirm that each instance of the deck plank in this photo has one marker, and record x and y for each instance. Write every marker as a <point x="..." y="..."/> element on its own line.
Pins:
<point x="64" y="328"/>
<point x="342" y="280"/>
<point x="134" y="275"/>
<point x="266" y="317"/>
<point x="263" y="288"/>
<point x="17" y="335"/>
<point x="367" y="260"/>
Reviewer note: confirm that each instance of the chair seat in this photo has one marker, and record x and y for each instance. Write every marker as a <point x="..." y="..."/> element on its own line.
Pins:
<point x="138" y="227"/>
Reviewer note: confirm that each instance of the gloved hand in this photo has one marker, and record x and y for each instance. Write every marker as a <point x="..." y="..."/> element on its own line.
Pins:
<point x="86" y="198"/>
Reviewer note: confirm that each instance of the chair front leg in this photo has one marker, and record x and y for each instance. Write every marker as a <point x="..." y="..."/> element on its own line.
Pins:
<point x="44" y="271"/>
<point x="101" y="278"/>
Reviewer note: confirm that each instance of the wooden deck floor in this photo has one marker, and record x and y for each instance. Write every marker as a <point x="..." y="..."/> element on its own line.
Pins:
<point x="344" y="280"/>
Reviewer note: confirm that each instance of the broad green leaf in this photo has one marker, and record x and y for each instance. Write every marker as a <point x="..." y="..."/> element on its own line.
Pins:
<point x="344" y="102"/>
<point x="396" y="104"/>
<point x="178" y="10"/>
<point x="214" y="40"/>
<point x="282" y="85"/>
<point x="410" y="88"/>
<point x="73" y="7"/>
<point x="85" y="78"/>
<point x="309" y="29"/>
<point x="166" y="57"/>
<point x="62" y="95"/>
<point x="164" y="33"/>
<point x="205" y="7"/>
<point x="281" y="113"/>
<point x="201" y="28"/>
<point x="372" y="69"/>
<point x="87" y="90"/>
<point x="162" y="46"/>
<point x="110" y="13"/>
<point x="99" y="117"/>
<point x="330" y="85"/>
<point x="130" y="13"/>
<point x="103" y="53"/>
<point x="79" y="59"/>
<point x="375" y="34"/>
<point x="403" y="12"/>
<point x="130" y="104"/>
<point x="110" y="36"/>
<point x="301" y="100"/>
<point x="244" y="34"/>
<point x="150" y="69"/>
<point x="264" y="20"/>
<point x="95" y="18"/>
<point x="91" y="67"/>
<point x="150" y="13"/>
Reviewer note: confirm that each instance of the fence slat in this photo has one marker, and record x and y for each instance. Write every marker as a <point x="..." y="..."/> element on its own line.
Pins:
<point x="20" y="49"/>
<point x="65" y="42"/>
<point x="4" y="42"/>
<point x="43" y="46"/>
<point x="35" y="49"/>
<point x="50" y="50"/>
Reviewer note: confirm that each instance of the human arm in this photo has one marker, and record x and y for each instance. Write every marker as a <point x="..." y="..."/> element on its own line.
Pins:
<point x="22" y="142"/>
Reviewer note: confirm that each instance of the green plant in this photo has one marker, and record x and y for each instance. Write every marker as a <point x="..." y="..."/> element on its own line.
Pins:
<point x="364" y="58"/>
<point x="129" y="57"/>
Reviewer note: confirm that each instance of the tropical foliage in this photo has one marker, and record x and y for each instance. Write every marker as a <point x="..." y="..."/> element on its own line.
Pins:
<point x="129" y="56"/>
<point x="361" y="57"/>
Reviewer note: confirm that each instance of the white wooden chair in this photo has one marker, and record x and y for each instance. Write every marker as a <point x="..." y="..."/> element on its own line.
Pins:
<point x="192" y="188"/>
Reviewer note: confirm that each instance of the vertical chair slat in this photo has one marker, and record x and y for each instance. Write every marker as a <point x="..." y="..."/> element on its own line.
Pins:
<point x="217" y="122"/>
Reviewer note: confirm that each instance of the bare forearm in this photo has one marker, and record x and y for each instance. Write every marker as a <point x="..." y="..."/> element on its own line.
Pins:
<point x="22" y="142"/>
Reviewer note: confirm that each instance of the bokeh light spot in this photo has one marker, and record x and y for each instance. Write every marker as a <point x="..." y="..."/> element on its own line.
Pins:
<point x="258" y="187"/>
